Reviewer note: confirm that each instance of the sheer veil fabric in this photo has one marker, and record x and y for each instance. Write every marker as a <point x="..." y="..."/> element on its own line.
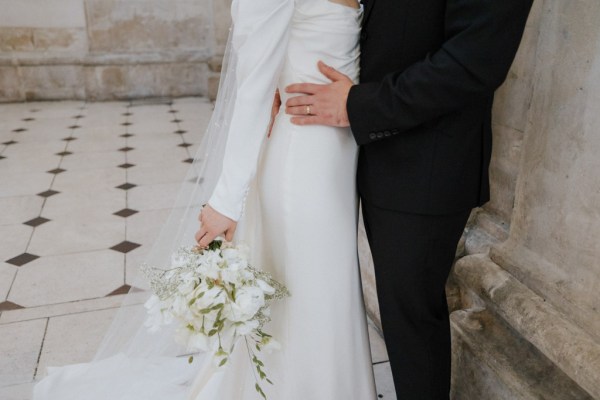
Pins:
<point x="134" y="364"/>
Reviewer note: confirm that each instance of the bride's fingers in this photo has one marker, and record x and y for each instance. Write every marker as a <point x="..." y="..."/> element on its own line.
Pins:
<point x="206" y="239"/>
<point x="230" y="233"/>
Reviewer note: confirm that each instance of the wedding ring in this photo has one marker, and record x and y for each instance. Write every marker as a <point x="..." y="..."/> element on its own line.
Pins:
<point x="307" y="110"/>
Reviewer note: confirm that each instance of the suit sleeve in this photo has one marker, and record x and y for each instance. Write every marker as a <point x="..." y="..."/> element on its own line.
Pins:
<point x="482" y="39"/>
<point x="259" y="39"/>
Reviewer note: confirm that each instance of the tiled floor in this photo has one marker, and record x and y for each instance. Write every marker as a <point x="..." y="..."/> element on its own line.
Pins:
<point x="84" y="188"/>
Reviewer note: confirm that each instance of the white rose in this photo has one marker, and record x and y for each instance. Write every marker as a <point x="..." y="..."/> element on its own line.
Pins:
<point x="265" y="287"/>
<point x="245" y="328"/>
<point x="248" y="301"/>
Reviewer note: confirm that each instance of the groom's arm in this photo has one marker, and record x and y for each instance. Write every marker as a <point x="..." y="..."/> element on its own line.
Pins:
<point x="483" y="38"/>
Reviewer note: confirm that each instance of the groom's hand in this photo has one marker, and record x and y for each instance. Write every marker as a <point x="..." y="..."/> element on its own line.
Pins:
<point x="320" y="104"/>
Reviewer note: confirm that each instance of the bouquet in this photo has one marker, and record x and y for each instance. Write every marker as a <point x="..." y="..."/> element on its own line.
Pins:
<point x="215" y="297"/>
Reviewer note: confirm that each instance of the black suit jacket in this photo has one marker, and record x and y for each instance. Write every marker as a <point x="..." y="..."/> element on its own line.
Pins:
<point x="422" y="112"/>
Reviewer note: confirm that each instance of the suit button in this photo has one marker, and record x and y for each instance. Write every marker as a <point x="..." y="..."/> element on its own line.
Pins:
<point x="372" y="136"/>
<point x="379" y="135"/>
<point x="394" y="132"/>
<point x="387" y="133"/>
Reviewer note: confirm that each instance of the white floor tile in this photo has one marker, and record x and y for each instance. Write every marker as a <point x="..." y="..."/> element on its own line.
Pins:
<point x="20" y="348"/>
<point x="169" y="172"/>
<point x="73" y="338"/>
<point x="92" y="203"/>
<point x="152" y="197"/>
<point x="14" y="240"/>
<point x="89" y="180"/>
<point x="7" y="274"/>
<point x="70" y="277"/>
<point x="378" y="348"/>
<point x="77" y="235"/>
<point x="92" y="160"/>
<point x="24" y="183"/>
<point x="384" y="381"/>
<point x="23" y="391"/>
<point x="16" y="210"/>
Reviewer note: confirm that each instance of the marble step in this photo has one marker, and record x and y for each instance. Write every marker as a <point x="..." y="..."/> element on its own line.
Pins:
<point x="491" y="362"/>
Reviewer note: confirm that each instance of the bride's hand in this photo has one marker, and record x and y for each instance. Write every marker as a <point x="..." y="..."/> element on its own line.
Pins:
<point x="213" y="224"/>
<point x="274" y="111"/>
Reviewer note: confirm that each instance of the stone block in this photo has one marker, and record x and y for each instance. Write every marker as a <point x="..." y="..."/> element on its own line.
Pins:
<point x="133" y="25"/>
<point x="10" y="85"/>
<point x="52" y="82"/>
<point x="491" y="363"/>
<point x="531" y="320"/>
<point x="60" y="39"/>
<point x="16" y="39"/>
<point x="146" y="80"/>
<point x="38" y="14"/>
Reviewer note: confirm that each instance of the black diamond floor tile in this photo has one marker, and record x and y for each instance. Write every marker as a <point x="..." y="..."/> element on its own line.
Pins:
<point x="36" y="221"/>
<point x="9" y="305"/>
<point x="172" y="111"/>
<point x="126" y="212"/>
<point x="125" y="246"/>
<point x="64" y="153"/>
<point x="74" y="127"/>
<point x="176" y="121"/>
<point x="28" y="119"/>
<point x="188" y="160"/>
<point x="126" y="186"/>
<point x="127" y="148"/>
<point x="184" y="145"/>
<point x="126" y="135"/>
<point x="22" y="259"/>
<point x="126" y="165"/>
<point x="48" y="193"/>
<point x="1" y="157"/>
<point x="180" y="131"/>
<point x="127" y="114"/>
<point x="19" y="130"/>
<point x="9" y="142"/>
<point x="78" y="116"/>
<point x="56" y="171"/>
<point x="126" y="124"/>
<point x="68" y="139"/>
<point x="120" y="290"/>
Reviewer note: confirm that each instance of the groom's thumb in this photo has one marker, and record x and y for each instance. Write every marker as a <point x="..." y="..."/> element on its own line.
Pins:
<point x="330" y="72"/>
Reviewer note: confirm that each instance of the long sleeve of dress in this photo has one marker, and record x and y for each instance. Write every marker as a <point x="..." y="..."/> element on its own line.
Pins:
<point x="259" y="39"/>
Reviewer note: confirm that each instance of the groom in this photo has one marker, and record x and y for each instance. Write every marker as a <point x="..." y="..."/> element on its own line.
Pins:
<point x="422" y="118"/>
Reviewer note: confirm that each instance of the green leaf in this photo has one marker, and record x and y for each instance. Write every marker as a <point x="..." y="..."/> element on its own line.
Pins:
<point x="223" y="362"/>
<point x="191" y="359"/>
<point x="259" y="390"/>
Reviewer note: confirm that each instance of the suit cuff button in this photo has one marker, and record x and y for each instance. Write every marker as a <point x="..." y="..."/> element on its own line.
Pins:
<point x="372" y="136"/>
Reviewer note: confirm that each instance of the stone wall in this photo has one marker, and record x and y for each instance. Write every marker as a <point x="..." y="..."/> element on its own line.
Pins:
<point x="528" y="322"/>
<point x="110" y="49"/>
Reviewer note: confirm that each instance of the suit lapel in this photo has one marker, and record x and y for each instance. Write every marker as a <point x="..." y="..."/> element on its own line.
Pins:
<point x="368" y="8"/>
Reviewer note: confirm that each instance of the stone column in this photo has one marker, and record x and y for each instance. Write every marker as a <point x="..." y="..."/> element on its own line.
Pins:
<point x="530" y="323"/>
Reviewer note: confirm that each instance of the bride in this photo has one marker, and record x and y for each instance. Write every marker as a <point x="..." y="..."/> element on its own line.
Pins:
<point x="291" y="198"/>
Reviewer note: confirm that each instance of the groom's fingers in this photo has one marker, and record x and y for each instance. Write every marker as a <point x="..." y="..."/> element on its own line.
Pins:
<point x="330" y="72"/>
<point x="304" y="88"/>
<point x="299" y="101"/>
<point x="309" y="120"/>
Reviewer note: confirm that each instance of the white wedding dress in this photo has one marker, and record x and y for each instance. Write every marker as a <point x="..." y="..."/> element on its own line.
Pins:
<point x="296" y="196"/>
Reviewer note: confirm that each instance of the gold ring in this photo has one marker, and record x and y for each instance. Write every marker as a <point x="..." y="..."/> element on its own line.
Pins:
<point x="307" y="110"/>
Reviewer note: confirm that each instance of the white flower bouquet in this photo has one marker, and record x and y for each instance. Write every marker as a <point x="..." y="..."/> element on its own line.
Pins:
<point x="215" y="297"/>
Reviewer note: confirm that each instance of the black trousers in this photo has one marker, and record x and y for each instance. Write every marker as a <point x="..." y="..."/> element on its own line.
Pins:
<point x="413" y="255"/>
